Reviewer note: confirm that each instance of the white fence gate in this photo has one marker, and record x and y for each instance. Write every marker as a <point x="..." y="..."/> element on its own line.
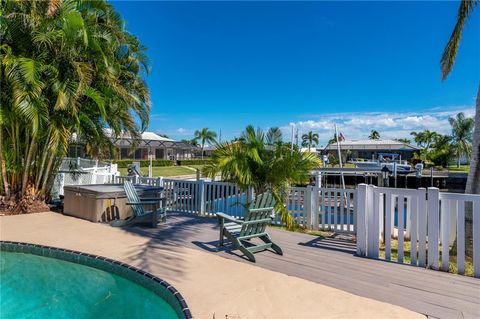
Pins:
<point x="430" y="220"/>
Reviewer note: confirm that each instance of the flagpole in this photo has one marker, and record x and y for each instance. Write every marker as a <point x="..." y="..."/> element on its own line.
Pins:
<point x="340" y="157"/>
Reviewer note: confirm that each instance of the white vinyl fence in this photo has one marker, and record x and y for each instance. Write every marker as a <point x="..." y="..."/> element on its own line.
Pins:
<point x="205" y="198"/>
<point x="430" y="220"/>
<point x="329" y="209"/>
<point x="81" y="172"/>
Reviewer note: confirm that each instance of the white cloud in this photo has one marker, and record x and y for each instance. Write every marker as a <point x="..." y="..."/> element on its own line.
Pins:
<point x="356" y="126"/>
<point x="182" y="132"/>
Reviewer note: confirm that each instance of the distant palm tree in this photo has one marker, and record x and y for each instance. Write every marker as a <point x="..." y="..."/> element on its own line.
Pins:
<point x="274" y="135"/>
<point x="403" y="140"/>
<point x="205" y="135"/>
<point x="333" y="140"/>
<point x="310" y="139"/>
<point x="462" y="130"/>
<point x="424" y="138"/>
<point x="441" y="152"/>
<point x="374" y="135"/>
<point x="252" y="163"/>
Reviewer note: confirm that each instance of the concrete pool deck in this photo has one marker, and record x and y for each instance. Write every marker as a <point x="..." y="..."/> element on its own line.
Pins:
<point x="213" y="286"/>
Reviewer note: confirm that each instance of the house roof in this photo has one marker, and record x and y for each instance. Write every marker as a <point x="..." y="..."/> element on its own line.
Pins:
<point x="147" y="139"/>
<point x="150" y="136"/>
<point x="373" y="145"/>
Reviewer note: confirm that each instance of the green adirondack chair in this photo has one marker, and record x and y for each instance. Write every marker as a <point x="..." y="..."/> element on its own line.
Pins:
<point x="140" y="215"/>
<point x="254" y="225"/>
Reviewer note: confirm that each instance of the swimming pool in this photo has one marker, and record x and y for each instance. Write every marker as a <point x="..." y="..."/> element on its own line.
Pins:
<point x="76" y="285"/>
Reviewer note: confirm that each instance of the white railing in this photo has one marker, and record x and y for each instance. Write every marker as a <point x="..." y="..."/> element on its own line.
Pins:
<point x="206" y="198"/>
<point x="80" y="171"/>
<point x="429" y="220"/>
<point x="152" y="181"/>
<point x="452" y="222"/>
<point x="328" y="209"/>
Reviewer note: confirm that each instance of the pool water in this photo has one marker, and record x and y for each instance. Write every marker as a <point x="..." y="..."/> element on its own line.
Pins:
<point x="38" y="287"/>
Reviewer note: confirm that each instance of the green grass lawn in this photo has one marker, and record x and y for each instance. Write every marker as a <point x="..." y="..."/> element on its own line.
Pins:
<point x="406" y="257"/>
<point x="166" y="171"/>
<point x="461" y="169"/>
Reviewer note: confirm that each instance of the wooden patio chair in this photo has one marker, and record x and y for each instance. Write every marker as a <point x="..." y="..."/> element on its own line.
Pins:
<point x="254" y="225"/>
<point x="140" y="214"/>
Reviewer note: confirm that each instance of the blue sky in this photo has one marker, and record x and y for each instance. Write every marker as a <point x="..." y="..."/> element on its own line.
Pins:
<point x="362" y="65"/>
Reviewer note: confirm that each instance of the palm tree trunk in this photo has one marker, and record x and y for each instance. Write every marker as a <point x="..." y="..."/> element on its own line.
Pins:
<point x="203" y="144"/>
<point x="3" y="167"/>
<point x="473" y="179"/>
<point x="28" y="161"/>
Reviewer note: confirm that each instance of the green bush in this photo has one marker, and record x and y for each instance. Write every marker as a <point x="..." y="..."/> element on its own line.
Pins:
<point x="143" y="163"/>
<point x="192" y="162"/>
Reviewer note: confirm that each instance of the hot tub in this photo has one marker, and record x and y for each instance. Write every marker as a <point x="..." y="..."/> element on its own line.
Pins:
<point x="102" y="202"/>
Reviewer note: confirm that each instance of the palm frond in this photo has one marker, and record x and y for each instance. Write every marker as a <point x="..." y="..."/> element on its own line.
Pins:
<point x="450" y="52"/>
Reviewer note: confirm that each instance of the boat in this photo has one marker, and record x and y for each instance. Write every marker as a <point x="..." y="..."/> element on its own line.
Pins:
<point x="390" y="160"/>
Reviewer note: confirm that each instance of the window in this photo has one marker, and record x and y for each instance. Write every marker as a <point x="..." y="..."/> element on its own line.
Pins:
<point x="123" y="153"/>
<point x="159" y="153"/>
<point x="138" y="154"/>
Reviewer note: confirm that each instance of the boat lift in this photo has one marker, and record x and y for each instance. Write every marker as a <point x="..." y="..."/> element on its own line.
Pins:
<point x="320" y="175"/>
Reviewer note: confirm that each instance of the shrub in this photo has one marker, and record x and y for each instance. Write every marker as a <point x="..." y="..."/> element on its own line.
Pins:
<point x="143" y="163"/>
<point x="192" y="162"/>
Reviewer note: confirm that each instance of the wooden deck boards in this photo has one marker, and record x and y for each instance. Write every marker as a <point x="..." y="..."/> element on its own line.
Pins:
<point x="332" y="262"/>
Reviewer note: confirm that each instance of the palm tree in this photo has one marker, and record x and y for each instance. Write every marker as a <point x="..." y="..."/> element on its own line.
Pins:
<point x="310" y="139"/>
<point x="333" y="140"/>
<point x="274" y="135"/>
<point x="447" y="61"/>
<point x="66" y="67"/>
<point x="462" y="130"/>
<point x="252" y="163"/>
<point x="403" y="140"/>
<point x="441" y="152"/>
<point x="374" y="135"/>
<point x="205" y="136"/>
<point x="424" y="139"/>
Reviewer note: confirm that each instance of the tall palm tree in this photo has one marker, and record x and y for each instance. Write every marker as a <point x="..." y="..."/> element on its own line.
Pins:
<point x="447" y="61"/>
<point x="66" y="67"/>
<point x="205" y="136"/>
<point x="274" y="135"/>
<point x="252" y="163"/>
<point x="462" y="130"/>
<point x="310" y="139"/>
<point x="374" y="135"/>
